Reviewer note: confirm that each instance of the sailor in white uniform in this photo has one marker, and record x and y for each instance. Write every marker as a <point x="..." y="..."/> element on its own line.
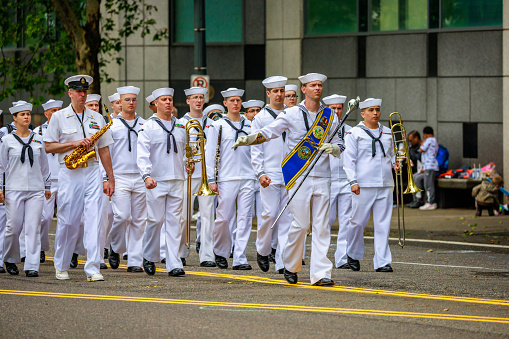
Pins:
<point x="27" y="182"/>
<point x="92" y="102"/>
<point x="160" y="160"/>
<point x="368" y="161"/>
<point x="128" y="201"/>
<point x="115" y="104"/>
<point x="80" y="190"/>
<point x="235" y="182"/>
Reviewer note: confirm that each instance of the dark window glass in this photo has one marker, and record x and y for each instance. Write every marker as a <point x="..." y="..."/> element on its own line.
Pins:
<point x="468" y="13"/>
<point x="330" y="16"/>
<point x="393" y="15"/>
<point x="470" y="140"/>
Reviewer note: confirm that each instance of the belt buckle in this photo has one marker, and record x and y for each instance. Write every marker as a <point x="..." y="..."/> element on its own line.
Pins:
<point x="84" y="165"/>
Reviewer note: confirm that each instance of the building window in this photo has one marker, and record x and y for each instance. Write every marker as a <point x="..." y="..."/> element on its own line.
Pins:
<point x="330" y="16"/>
<point x="223" y="20"/>
<point x="469" y="13"/>
<point x="393" y="15"/>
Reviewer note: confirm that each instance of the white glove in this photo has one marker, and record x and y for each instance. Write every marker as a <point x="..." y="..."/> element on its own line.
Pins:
<point x="331" y="149"/>
<point x="251" y="139"/>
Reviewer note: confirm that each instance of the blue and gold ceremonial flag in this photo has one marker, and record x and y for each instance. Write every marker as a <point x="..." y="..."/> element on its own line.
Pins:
<point x="301" y="156"/>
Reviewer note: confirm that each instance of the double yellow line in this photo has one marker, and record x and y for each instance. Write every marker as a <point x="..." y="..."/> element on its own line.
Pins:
<point x="298" y="308"/>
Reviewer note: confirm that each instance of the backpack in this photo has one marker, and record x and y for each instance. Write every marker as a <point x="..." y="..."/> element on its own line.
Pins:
<point x="442" y="158"/>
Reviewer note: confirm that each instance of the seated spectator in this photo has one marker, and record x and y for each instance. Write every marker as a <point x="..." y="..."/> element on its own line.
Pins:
<point x="487" y="195"/>
<point x="414" y="141"/>
<point x="425" y="179"/>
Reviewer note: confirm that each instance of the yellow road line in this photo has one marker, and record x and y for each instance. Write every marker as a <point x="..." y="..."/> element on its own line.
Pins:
<point x="264" y="280"/>
<point x="457" y="317"/>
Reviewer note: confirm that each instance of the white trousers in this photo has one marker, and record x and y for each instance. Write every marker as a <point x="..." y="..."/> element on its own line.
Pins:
<point x="206" y="215"/>
<point x="129" y="217"/>
<point x="164" y="206"/>
<point x="378" y="200"/>
<point x="312" y="199"/>
<point x="274" y="198"/>
<point x="340" y="207"/>
<point x="80" y="196"/>
<point x="3" y="222"/>
<point x="48" y="212"/>
<point x="106" y="222"/>
<point x="23" y="207"/>
<point x="80" y="246"/>
<point x="240" y="192"/>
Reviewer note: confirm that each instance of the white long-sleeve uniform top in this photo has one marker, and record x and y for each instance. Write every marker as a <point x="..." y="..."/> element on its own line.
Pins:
<point x="65" y="126"/>
<point x="21" y="176"/>
<point x="266" y="158"/>
<point x="4" y="130"/>
<point x="360" y="165"/>
<point x="336" y="164"/>
<point x="54" y="166"/>
<point x="123" y="160"/>
<point x="235" y="164"/>
<point x="205" y="124"/>
<point x="292" y="122"/>
<point x="153" y="160"/>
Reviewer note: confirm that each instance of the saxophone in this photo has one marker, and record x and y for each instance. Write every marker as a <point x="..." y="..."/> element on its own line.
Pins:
<point x="80" y="156"/>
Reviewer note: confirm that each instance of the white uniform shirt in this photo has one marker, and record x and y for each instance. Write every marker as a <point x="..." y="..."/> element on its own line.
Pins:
<point x="65" y="126"/>
<point x="4" y="130"/>
<point x="205" y="123"/>
<point x="54" y="166"/>
<point x="292" y="122"/>
<point x="336" y="164"/>
<point x="153" y="159"/>
<point x="21" y="176"/>
<point x="429" y="156"/>
<point x="358" y="161"/>
<point x="266" y="158"/>
<point x="123" y="160"/>
<point x="234" y="164"/>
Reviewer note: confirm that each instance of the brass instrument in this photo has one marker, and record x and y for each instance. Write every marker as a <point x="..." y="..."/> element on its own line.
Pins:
<point x="398" y="133"/>
<point x="80" y="156"/>
<point x="193" y="156"/>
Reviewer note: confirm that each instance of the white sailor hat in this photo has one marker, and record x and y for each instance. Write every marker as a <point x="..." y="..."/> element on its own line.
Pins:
<point x="232" y="92"/>
<point x="253" y="103"/>
<point x="334" y="99"/>
<point x="52" y="104"/>
<point x="214" y="107"/>
<point x="195" y="90"/>
<point x="275" y="82"/>
<point x="1" y="111"/>
<point x="291" y="88"/>
<point x="93" y="97"/>
<point x="114" y="97"/>
<point x="79" y="81"/>
<point x="19" y="106"/>
<point x="128" y="90"/>
<point x="370" y="102"/>
<point x="312" y="77"/>
<point x="162" y="91"/>
<point x="150" y="98"/>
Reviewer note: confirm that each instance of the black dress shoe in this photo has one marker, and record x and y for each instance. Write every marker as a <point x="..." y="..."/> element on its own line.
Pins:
<point x="263" y="262"/>
<point x="324" y="282"/>
<point x="355" y="265"/>
<point x="386" y="268"/>
<point x="290" y="277"/>
<point x="303" y="262"/>
<point x="43" y="257"/>
<point x="124" y="257"/>
<point x="135" y="269"/>
<point x="2" y="269"/>
<point x="221" y="262"/>
<point x="149" y="267"/>
<point x="272" y="256"/>
<point x="74" y="260"/>
<point x="106" y="254"/>
<point x="344" y="267"/>
<point x="198" y="245"/>
<point x="163" y="261"/>
<point x="176" y="272"/>
<point x="114" y="259"/>
<point x="281" y="271"/>
<point x="208" y="264"/>
<point x="184" y="263"/>
<point x="242" y="267"/>
<point x="32" y="274"/>
<point x="23" y="259"/>
<point x="12" y="269"/>
<point x="103" y="266"/>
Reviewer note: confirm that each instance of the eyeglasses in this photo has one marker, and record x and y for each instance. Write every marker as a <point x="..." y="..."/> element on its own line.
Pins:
<point x="130" y="99"/>
<point x="291" y="96"/>
<point x="254" y="110"/>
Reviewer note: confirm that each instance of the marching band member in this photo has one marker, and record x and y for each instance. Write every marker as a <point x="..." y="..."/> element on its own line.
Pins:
<point x="150" y="99"/>
<point x="51" y="106"/>
<point x="235" y="182"/>
<point x="214" y="112"/>
<point x="266" y="159"/>
<point x="92" y="102"/>
<point x="160" y="160"/>
<point x="290" y="95"/>
<point x="368" y="161"/>
<point x="24" y="161"/>
<point x="306" y="125"/>
<point x="195" y="98"/>
<point x="3" y="221"/>
<point x="128" y="201"/>
<point x="79" y="189"/>
<point x="341" y="196"/>
<point x="115" y="104"/>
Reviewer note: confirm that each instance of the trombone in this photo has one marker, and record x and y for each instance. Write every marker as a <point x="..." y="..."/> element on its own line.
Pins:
<point x="194" y="156"/>
<point x="398" y="133"/>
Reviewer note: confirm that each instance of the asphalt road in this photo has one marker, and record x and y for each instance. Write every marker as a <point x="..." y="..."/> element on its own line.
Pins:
<point x="436" y="290"/>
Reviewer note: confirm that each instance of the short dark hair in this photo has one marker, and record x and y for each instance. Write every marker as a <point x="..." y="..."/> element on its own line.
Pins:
<point x="427" y="130"/>
<point x="414" y="133"/>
